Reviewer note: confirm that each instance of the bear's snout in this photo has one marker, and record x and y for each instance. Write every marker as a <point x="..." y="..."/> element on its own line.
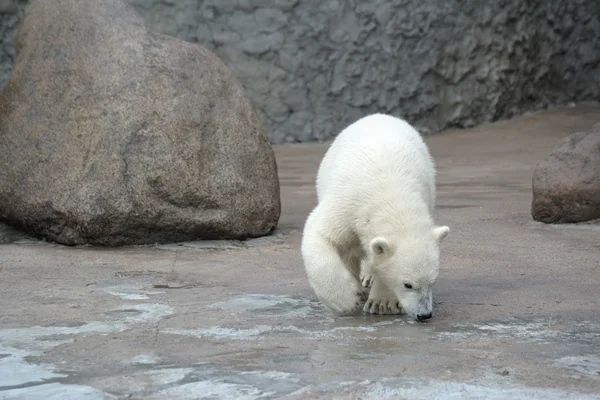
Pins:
<point x="423" y="317"/>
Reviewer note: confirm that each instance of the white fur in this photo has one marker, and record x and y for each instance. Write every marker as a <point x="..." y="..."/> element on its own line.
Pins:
<point x="373" y="221"/>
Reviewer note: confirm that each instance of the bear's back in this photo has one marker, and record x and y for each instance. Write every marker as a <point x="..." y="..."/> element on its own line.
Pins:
<point x="376" y="150"/>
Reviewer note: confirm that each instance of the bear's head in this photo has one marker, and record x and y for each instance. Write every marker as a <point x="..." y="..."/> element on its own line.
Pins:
<point x="409" y="265"/>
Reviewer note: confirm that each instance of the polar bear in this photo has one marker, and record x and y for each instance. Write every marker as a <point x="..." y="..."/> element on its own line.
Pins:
<point x="373" y="222"/>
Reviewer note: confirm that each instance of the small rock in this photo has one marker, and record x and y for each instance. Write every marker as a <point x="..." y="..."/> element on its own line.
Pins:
<point x="114" y="135"/>
<point x="566" y="185"/>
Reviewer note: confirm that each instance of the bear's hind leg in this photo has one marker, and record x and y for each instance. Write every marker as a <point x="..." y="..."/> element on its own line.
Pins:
<point x="381" y="299"/>
<point x="333" y="283"/>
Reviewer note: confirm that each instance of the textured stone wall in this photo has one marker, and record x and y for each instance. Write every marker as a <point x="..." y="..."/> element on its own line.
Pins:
<point x="311" y="67"/>
<point x="11" y="12"/>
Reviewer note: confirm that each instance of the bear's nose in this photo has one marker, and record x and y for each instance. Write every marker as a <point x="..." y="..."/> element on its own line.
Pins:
<point x="423" y="317"/>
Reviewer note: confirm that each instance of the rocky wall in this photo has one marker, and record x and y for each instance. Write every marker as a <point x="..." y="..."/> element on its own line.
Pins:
<point x="311" y="67"/>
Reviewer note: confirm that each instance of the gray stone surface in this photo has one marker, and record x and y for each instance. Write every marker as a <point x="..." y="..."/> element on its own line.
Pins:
<point x="517" y="311"/>
<point x="312" y="67"/>
<point x="566" y="184"/>
<point x="112" y="135"/>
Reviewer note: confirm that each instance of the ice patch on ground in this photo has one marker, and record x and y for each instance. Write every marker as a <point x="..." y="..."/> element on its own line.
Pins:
<point x="223" y="332"/>
<point x="434" y="390"/>
<point x="536" y="330"/>
<point x="204" y="380"/>
<point x="258" y="331"/>
<point x="55" y="391"/>
<point x="144" y="359"/>
<point x="211" y="389"/>
<point x="127" y="288"/>
<point x="585" y="365"/>
<point x="18" y="344"/>
<point x="282" y="306"/>
<point x="14" y="370"/>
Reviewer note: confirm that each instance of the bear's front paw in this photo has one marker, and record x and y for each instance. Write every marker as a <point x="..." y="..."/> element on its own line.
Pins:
<point x="382" y="306"/>
<point x="348" y="302"/>
<point x="367" y="280"/>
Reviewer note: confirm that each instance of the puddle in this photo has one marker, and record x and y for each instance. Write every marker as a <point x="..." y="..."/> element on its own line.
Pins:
<point x="268" y="331"/>
<point x="20" y="377"/>
<point x="18" y="345"/>
<point x="585" y="365"/>
<point x="311" y="337"/>
<point x="219" y="332"/>
<point x="130" y="292"/>
<point x="145" y="359"/>
<point x="437" y="389"/>
<point x="303" y="318"/>
<point x="14" y="370"/>
<point x="128" y="287"/>
<point x="145" y="313"/>
<point x="55" y="391"/>
<point x="211" y="389"/>
<point x="214" y="381"/>
<point x="142" y="382"/>
<point x="295" y="317"/>
<point x="369" y="340"/>
<point x="206" y="379"/>
<point x="281" y="306"/>
<point x="541" y="330"/>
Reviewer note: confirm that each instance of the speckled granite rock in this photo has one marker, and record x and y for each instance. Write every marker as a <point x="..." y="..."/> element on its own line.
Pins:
<point x="566" y="185"/>
<point x="113" y="135"/>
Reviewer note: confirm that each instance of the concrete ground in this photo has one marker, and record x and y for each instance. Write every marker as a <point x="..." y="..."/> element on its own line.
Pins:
<point x="517" y="304"/>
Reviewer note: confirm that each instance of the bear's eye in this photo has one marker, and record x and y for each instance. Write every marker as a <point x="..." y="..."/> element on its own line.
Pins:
<point x="408" y="285"/>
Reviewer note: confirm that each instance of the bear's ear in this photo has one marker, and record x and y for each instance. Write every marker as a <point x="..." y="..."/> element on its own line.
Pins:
<point x="440" y="232"/>
<point x="380" y="246"/>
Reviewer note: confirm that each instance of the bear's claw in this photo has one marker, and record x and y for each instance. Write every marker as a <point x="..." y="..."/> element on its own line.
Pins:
<point x="382" y="306"/>
<point x="367" y="280"/>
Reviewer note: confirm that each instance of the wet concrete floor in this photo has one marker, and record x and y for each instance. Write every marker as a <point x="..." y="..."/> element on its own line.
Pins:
<point x="517" y="304"/>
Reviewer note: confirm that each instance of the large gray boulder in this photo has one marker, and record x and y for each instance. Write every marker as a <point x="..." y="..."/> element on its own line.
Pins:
<point x="566" y="185"/>
<point x="112" y="135"/>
